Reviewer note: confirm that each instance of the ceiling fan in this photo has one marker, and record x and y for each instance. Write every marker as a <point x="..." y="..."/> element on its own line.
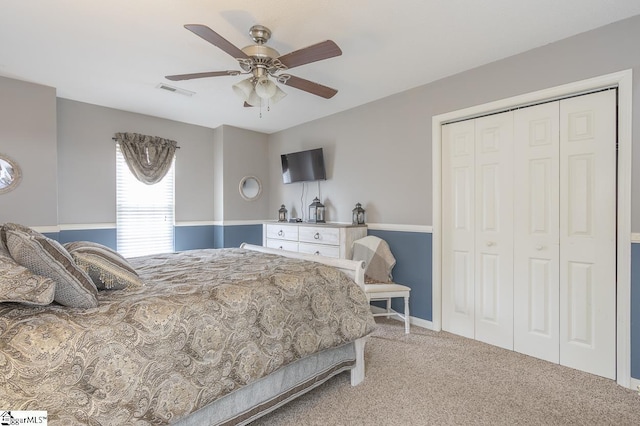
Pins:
<point x="262" y="62"/>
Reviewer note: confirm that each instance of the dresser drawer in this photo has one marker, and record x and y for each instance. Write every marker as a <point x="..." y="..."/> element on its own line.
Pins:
<point x="329" y="240"/>
<point x="282" y="244"/>
<point x="282" y="232"/>
<point x="319" y="249"/>
<point x="320" y="235"/>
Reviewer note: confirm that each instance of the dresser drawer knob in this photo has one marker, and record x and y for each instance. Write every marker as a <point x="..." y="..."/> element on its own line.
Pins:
<point x="317" y="236"/>
<point x="317" y="253"/>
<point x="280" y="233"/>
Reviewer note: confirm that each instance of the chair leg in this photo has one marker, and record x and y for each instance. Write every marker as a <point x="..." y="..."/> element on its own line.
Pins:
<point x="406" y="315"/>
<point x="388" y="306"/>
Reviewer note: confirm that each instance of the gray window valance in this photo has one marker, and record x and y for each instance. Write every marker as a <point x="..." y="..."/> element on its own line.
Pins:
<point x="148" y="157"/>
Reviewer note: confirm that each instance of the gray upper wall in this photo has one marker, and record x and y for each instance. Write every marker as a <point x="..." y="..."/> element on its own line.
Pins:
<point x="379" y="154"/>
<point x="244" y="153"/>
<point x="67" y="156"/>
<point x="28" y="136"/>
<point x="87" y="171"/>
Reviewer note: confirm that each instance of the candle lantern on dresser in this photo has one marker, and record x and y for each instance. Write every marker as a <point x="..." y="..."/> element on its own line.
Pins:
<point x="358" y="215"/>
<point x="282" y="214"/>
<point x="316" y="211"/>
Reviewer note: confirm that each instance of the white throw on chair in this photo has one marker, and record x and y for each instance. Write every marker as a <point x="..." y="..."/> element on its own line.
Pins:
<point x="379" y="261"/>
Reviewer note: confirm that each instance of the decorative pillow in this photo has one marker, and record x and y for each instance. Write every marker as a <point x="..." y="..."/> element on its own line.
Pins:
<point x="16" y="226"/>
<point x="46" y="257"/>
<point x="18" y="284"/>
<point x="4" y="252"/>
<point x="108" y="269"/>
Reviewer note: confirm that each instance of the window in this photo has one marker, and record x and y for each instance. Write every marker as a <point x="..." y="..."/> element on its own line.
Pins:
<point x="145" y="213"/>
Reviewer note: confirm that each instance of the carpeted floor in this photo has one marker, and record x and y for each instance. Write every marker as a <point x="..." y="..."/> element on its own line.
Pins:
<point x="430" y="378"/>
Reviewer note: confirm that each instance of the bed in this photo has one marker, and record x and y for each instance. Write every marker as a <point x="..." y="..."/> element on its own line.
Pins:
<point x="195" y="338"/>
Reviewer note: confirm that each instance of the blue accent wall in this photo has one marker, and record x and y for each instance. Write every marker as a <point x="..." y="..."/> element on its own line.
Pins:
<point x="234" y="235"/>
<point x="106" y="237"/>
<point x="186" y="237"/>
<point x="413" y="254"/>
<point x="195" y="237"/>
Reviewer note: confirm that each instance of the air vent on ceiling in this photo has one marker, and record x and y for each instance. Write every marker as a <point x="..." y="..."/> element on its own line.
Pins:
<point x="175" y="89"/>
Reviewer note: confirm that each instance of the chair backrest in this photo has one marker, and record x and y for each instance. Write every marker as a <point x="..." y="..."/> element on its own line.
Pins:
<point x="377" y="257"/>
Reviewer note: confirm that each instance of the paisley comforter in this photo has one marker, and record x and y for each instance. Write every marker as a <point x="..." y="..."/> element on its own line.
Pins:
<point x="206" y="322"/>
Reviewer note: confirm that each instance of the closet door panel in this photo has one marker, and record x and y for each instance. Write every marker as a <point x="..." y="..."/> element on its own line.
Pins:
<point x="588" y="233"/>
<point x="458" y="188"/>
<point x="494" y="229"/>
<point x="537" y="239"/>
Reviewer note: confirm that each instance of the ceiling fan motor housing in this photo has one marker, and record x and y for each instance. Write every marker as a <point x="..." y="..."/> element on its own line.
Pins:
<point x="261" y="58"/>
<point x="260" y="34"/>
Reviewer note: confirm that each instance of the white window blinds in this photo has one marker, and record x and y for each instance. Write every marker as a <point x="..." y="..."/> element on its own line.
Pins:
<point x="145" y="213"/>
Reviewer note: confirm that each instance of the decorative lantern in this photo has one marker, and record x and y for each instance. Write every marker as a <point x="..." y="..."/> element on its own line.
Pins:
<point x="316" y="211"/>
<point x="358" y="215"/>
<point x="282" y="214"/>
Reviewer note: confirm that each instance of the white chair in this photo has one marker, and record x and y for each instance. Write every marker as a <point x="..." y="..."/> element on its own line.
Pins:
<point x="379" y="261"/>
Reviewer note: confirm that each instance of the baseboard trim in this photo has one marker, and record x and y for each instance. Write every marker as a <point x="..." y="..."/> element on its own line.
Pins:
<point x="634" y="384"/>
<point x="418" y="322"/>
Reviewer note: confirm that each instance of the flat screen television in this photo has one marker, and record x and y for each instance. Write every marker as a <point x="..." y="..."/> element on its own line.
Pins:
<point x="303" y="166"/>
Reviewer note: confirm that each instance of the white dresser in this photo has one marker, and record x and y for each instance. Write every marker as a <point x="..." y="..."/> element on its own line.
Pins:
<point x="325" y="239"/>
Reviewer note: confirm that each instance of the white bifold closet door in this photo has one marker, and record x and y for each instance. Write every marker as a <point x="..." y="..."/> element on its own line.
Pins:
<point x="529" y="247"/>
<point x="588" y="233"/>
<point x="494" y="230"/>
<point x="478" y="248"/>
<point x="458" y="224"/>
<point x="536" y="283"/>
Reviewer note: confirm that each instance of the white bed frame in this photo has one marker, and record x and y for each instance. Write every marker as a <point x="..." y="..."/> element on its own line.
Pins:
<point x="353" y="269"/>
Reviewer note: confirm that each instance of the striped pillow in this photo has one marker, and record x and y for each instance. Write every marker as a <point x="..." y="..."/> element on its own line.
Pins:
<point x="46" y="257"/>
<point x="108" y="269"/>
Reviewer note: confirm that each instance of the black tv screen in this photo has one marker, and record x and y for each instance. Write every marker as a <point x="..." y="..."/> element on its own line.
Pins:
<point x="303" y="166"/>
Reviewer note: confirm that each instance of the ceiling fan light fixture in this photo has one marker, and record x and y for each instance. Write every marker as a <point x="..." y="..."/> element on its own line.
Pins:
<point x="244" y="89"/>
<point x="277" y="97"/>
<point x="265" y="88"/>
<point x="254" y="100"/>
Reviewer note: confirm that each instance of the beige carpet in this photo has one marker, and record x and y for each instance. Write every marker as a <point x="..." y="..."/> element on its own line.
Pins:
<point x="430" y="378"/>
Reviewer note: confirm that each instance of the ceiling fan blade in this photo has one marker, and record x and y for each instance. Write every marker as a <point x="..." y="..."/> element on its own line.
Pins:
<point x="216" y="39"/>
<point x="180" y="77"/>
<point x="308" y="86"/>
<point x="317" y="52"/>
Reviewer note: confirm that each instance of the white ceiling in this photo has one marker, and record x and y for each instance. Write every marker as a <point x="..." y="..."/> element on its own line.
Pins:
<point x="114" y="53"/>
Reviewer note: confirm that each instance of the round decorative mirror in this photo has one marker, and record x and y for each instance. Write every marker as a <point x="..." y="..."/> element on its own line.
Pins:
<point x="10" y="174"/>
<point x="250" y="188"/>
